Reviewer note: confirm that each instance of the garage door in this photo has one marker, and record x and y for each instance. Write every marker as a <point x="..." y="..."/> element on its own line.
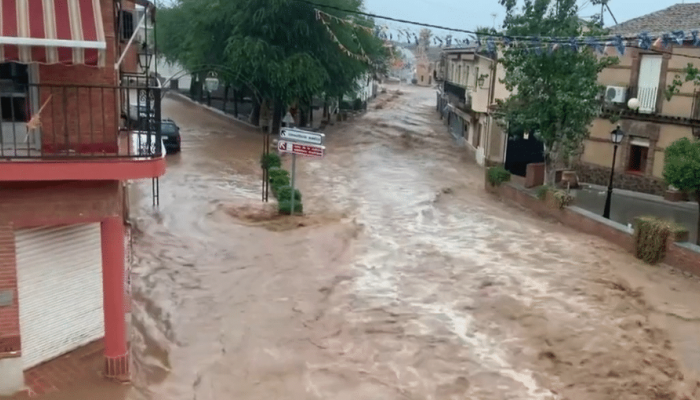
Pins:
<point x="59" y="276"/>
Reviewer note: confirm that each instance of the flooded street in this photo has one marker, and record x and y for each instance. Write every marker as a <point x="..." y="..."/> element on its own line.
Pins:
<point x="404" y="281"/>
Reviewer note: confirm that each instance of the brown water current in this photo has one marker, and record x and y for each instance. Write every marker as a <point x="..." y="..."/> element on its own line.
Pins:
<point x="404" y="281"/>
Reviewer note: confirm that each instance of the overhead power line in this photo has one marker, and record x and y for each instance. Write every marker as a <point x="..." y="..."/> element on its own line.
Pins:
<point x="542" y="40"/>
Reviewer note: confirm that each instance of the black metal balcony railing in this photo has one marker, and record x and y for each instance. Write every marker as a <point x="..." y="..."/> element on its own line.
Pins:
<point x="647" y="96"/>
<point x="457" y="91"/>
<point x="55" y="121"/>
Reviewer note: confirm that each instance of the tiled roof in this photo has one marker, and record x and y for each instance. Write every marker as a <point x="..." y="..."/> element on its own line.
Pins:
<point x="685" y="17"/>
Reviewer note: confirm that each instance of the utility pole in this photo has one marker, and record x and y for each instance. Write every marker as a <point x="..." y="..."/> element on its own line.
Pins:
<point x="602" y="13"/>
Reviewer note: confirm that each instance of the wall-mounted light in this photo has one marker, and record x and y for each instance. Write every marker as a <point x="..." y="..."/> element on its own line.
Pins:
<point x="212" y="82"/>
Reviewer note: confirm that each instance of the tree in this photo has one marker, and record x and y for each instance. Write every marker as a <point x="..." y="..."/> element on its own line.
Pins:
<point x="282" y="46"/>
<point x="682" y="168"/>
<point x="554" y="92"/>
<point x="424" y="37"/>
<point x="190" y="33"/>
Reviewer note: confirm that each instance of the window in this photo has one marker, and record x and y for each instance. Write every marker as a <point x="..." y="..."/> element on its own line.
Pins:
<point x="696" y="106"/>
<point x="476" y="77"/>
<point x="421" y="78"/>
<point x="466" y="77"/>
<point x="648" y="83"/>
<point x="126" y="24"/>
<point x="639" y="151"/>
<point x="459" y="75"/>
<point x="14" y="80"/>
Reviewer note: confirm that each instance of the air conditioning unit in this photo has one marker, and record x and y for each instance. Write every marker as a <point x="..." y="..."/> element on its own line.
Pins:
<point x="615" y="94"/>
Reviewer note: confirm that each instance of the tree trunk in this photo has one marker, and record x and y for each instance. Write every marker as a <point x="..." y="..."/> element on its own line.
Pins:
<point x="311" y="112"/>
<point x="255" y="114"/>
<point x="235" y="102"/>
<point x="325" y="108"/>
<point x="277" y="113"/>
<point x="303" y="113"/>
<point x="697" y="232"/>
<point x="226" y="88"/>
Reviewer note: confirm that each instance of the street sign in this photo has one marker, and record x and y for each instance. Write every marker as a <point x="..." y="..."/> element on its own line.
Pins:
<point x="288" y="119"/>
<point x="298" y="135"/>
<point x="302" y="149"/>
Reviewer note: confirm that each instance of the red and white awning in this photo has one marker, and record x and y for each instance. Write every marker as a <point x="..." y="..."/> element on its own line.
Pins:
<point x="52" y="32"/>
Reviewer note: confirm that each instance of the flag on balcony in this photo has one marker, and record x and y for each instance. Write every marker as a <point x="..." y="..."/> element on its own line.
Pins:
<point x="68" y="32"/>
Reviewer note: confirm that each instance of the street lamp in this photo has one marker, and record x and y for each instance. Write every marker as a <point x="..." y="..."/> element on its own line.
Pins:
<point x="212" y="82"/>
<point x="633" y="104"/>
<point x="145" y="58"/>
<point x="616" y="137"/>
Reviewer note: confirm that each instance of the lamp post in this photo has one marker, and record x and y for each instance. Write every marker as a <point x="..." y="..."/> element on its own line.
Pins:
<point x="616" y="137"/>
<point x="145" y="58"/>
<point x="211" y="82"/>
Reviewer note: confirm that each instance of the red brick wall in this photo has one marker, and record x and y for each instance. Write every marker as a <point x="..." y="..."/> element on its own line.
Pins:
<point x="683" y="258"/>
<point x="83" y="120"/>
<point x="676" y="256"/>
<point x="53" y="203"/>
<point x="9" y="316"/>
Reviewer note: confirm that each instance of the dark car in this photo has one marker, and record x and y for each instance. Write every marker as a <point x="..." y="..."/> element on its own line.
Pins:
<point x="171" y="135"/>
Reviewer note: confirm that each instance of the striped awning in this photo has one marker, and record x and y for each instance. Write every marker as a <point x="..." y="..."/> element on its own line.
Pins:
<point x="66" y="32"/>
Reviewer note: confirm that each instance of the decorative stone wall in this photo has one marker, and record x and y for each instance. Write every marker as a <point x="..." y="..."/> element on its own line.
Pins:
<point x="639" y="183"/>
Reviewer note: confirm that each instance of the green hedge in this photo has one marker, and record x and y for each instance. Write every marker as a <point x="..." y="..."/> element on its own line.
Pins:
<point x="284" y="193"/>
<point x="281" y="189"/>
<point x="285" y="207"/>
<point x="270" y="160"/>
<point x="498" y="175"/>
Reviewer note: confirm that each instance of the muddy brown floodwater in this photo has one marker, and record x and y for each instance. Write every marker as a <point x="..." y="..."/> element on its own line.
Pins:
<point x="404" y="281"/>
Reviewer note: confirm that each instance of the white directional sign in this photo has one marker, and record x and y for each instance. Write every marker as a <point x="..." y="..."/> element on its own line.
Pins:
<point x="288" y="119"/>
<point x="298" y="135"/>
<point x="302" y="149"/>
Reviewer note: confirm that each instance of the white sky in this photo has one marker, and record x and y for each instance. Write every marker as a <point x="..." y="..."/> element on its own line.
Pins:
<point x="468" y="14"/>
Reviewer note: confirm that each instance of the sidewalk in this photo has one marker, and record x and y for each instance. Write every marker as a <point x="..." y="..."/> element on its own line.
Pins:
<point x="78" y="369"/>
<point x="627" y="205"/>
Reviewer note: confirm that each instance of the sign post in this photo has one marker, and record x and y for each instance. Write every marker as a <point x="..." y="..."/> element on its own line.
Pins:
<point x="303" y="143"/>
<point x="294" y="172"/>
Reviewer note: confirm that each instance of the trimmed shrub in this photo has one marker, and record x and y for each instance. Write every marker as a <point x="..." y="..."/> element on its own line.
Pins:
<point x="651" y="235"/>
<point x="284" y="193"/>
<point x="542" y="192"/>
<point x="562" y="198"/>
<point x="270" y="160"/>
<point x="285" y="207"/>
<point x="278" y="182"/>
<point x="498" y="175"/>
<point x="277" y="172"/>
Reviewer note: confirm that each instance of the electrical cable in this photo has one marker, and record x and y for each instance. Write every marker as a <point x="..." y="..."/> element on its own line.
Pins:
<point x="553" y="40"/>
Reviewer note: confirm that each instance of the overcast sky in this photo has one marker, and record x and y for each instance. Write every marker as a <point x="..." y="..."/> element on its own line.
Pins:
<point x="468" y="14"/>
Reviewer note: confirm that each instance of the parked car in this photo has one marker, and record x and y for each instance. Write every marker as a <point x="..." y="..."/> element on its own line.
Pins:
<point x="170" y="133"/>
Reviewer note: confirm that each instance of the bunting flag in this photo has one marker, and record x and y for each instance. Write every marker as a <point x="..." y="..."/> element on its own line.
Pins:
<point x="362" y="56"/>
<point x="600" y="44"/>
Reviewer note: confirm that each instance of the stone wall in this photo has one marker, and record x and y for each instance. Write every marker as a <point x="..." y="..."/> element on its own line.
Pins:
<point x="638" y="183"/>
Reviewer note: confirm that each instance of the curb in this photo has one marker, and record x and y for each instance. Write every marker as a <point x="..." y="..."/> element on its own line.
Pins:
<point x="182" y="97"/>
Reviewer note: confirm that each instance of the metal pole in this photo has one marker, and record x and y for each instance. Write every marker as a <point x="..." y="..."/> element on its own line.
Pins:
<point x="294" y="172"/>
<point x="608" y="199"/>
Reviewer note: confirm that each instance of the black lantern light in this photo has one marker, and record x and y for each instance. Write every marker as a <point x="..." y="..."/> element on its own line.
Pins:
<point x="145" y="57"/>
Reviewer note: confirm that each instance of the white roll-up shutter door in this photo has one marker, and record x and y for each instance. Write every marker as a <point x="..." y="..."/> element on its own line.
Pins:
<point x="59" y="277"/>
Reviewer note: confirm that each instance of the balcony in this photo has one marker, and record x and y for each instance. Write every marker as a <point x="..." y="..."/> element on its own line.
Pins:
<point x="458" y="96"/>
<point x="79" y="132"/>
<point x="647" y="97"/>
